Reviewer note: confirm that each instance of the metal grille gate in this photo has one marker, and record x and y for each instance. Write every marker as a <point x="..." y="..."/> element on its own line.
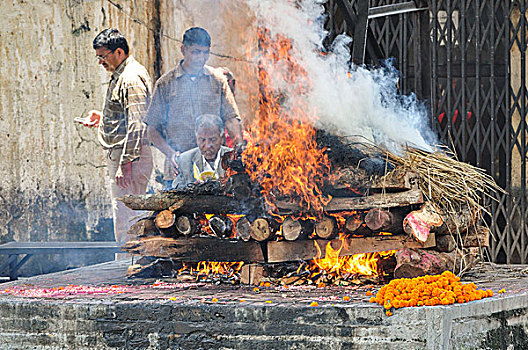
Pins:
<point x="467" y="59"/>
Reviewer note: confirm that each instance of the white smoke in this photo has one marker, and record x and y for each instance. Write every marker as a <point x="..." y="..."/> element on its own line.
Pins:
<point x="364" y="103"/>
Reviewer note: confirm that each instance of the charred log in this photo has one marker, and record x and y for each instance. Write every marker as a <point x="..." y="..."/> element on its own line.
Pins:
<point x="187" y="225"/>
<point x="243" y="228"/>
<point x="342" y="151"/>
<point x="383" y="200"/>
<point x="279" y="251"/>
<point x="188" y="204"/>
<point x="149" y="267"/>
<point x="221" y="226"/>
<point x="353" y="222"/>
<point x="239" y="185"/>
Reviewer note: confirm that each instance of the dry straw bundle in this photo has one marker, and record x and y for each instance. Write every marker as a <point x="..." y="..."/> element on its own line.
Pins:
<point x="447" y="181"/>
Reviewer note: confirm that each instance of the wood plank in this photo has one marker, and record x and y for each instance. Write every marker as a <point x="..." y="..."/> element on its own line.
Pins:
<point x="381" y="200"/>
<point x="307" y="249"/>
<point x="251" y="274"/>
<point x="183" y="204"/>
<point x="197" y="249"/>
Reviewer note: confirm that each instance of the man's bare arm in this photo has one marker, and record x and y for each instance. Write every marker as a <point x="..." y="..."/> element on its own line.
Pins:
<point x="160" y="143"/>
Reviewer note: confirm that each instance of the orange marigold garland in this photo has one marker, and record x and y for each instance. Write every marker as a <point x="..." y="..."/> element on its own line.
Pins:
<point x="444" y="289"/>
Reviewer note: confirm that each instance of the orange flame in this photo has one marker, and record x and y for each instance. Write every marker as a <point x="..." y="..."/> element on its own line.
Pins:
<point x="365" y="264"/>
<point x="212" y="269"/>
<point x="285" y="159"/>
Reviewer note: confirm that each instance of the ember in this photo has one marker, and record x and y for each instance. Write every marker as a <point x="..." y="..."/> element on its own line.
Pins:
<point x="213" y="271"/>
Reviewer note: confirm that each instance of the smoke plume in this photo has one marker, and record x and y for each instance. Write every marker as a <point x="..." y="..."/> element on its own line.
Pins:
<point x="348" y="100"/>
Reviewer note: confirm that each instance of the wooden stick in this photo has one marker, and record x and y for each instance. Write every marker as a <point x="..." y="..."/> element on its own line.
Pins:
<point x="326" y="228"/>
<point x="261" y="230"/>
<point x="353" y="222"/>
<point x="293" y="229"/>
<point x="377" y="218"/>
<point x="165" y="219"/>
<point x="251" y="274"/>
<point x="445" y="243"/>
<point x="429" y="218"/>
<point x="382" y="220"/>
<point x="476" y="237"/>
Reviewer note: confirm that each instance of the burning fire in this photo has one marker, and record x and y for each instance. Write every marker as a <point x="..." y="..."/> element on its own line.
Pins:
<point x="337" y="267"/>
<point x="285" y="159"/>
<point x="211" y="270"/>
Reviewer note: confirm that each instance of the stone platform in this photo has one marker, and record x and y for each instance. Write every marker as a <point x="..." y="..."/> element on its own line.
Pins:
<point x="111" y="312"/>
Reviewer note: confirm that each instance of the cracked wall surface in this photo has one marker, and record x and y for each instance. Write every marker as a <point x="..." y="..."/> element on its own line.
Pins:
<point x="52" y="172"/>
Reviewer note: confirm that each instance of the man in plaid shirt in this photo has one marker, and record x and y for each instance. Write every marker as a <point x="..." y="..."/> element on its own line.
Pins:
<point x="186" y="92"/>
<point x="121" y="127"/>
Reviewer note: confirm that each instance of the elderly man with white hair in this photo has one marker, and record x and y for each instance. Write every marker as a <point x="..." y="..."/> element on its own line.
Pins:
<point x="204" y="161"/>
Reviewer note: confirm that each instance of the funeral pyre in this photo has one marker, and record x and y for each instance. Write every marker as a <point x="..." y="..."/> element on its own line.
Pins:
<point x="301" y="205"/>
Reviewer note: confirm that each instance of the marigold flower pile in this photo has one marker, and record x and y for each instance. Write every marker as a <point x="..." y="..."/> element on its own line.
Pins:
<point x="444" y="289"/>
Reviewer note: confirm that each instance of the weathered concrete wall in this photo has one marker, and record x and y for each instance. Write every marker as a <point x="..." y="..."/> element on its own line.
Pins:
<point x="90" y="324"/>
<point x="52" y="174"/>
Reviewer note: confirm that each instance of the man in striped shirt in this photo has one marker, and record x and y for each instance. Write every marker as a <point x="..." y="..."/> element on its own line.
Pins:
<point x="181" y="95"/>
<point x="121" y="126"/>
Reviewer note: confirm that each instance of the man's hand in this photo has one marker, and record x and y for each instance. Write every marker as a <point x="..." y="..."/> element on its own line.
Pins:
<point x="91" y="119"/>
<point x="175" y="168"/>
<point x="124" y="175"/>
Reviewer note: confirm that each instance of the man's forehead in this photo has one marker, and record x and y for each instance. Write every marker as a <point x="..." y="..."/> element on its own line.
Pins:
<point x="197" y="47"/>
<point x="207" y="130"/>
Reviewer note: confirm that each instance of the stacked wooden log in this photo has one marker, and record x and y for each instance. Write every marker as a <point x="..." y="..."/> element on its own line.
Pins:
<point x="231" y="223"/>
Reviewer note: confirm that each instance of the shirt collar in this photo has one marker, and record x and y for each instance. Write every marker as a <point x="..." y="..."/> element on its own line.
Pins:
<point x="206" y="70"/>
<point x="206" y="164"/>
<point x="121" y="67"/>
